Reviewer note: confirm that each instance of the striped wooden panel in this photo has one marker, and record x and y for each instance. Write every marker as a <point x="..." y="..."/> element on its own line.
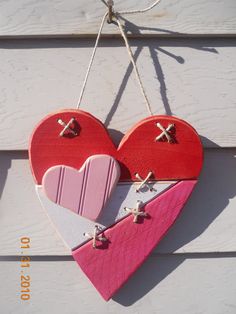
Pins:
<point x="86" y="191"/>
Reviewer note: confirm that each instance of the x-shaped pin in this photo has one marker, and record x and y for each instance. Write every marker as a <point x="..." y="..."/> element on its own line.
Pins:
<point x="95" y="236"/>
<point x="165" y="132"/>
<point x="66" y="126"/>
<point x="143" y="182"/>
<point x="136" y="211"/>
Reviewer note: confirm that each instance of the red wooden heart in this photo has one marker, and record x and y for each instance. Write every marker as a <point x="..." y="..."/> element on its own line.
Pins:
<point x="138" y="151"/>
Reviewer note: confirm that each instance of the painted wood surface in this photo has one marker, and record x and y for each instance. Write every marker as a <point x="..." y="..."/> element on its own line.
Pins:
<point x="169" y="18"/>
<point x="129" y="243"/>
<point x="206" y="225"/>
<point x="161" y="285"/>
<point x="84" y="191"/>
<point x="71" y="228"/>
<point x="40" y="76"/>
<point x="139" y="151"/>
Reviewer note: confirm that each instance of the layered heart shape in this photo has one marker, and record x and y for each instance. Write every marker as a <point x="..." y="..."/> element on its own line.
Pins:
<point x="85" y="191"/>
<point x="158" y="148"/>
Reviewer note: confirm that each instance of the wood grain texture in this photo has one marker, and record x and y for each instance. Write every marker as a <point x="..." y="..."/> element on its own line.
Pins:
<point x="161" y="284"/>
<point x="193" y="79"/>
<point x="206" y="225"/>
<point x="169" y="18"/>
<point x="129" y="244"/>
<point x="138" y="152"/>
<point x="71" y="227"/>
<point x="84" y="191"/>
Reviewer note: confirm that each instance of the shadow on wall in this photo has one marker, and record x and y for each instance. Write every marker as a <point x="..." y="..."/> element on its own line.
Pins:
<point x="154" y="49"/>
<point x="207" y="201"/>
<point x="6" y="158"/>
<point x="5" y="164"/>
<point x="211" y="196"/>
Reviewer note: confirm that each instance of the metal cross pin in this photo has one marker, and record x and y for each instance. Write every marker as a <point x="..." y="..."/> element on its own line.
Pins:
<point x="136" y="211"/>
<point x="143" y="182"/>
<point x="66" y="126"/>
<point x="95" y="236"/>
<point x="165" y="132"/>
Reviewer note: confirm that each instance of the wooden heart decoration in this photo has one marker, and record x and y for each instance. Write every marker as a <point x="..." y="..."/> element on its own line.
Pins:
<point x="85" y="191"/>
<point x="166" y="147"/>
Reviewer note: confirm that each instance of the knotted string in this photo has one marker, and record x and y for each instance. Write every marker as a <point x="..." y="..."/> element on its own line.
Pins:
<point x="165" y="132"/>
<point x="95" y="236"/>
<point x="143" y="182"/>
<point x="136" y="212"/>
<point x="123" y="34"/>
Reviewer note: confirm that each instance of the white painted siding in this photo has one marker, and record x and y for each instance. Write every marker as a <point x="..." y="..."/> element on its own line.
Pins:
<point x="164" y="284"/>
<point x="72" y="17"/>
<point x="190" y="78"/>
<point x="186" y="54"/>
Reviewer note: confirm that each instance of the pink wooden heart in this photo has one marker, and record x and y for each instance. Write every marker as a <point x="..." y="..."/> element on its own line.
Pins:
<point x="86" y="191"/>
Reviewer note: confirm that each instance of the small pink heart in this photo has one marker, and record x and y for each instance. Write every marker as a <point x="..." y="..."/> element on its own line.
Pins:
<point x="86" y="191"/>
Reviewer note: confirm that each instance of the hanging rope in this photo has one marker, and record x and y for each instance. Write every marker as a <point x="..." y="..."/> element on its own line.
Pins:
<point x="123" y="34"/>
<point x="91" y="60"/>
<point x="134" y="65"/>
<point x="141" y="10"/>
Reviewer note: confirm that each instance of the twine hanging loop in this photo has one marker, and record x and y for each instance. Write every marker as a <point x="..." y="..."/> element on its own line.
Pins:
<point x="109" y="15"/>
